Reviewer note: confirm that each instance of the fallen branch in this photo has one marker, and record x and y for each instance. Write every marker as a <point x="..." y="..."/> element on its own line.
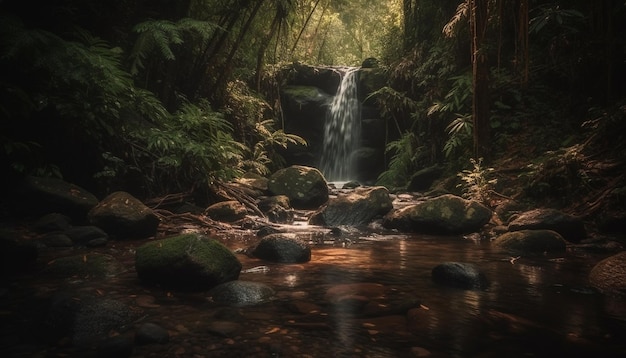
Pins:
<point x="239" y="195"/>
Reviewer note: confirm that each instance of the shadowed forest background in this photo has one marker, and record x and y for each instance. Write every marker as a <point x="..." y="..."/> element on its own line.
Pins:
<point x="158" y="97"/>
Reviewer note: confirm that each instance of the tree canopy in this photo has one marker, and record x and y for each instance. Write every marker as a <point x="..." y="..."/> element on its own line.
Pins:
<point x="172" y="94"/>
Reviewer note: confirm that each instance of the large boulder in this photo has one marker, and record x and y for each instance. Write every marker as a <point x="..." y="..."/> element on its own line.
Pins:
<point x="444" y="215"/>
<point x="188" y="262"/>
<point x="124" y="216"/>
<point x="242" y="293"/>
<point x="354" y="208"/>
<point x="38" y="196"/>
<point x="531" y="242"/>
<point x="85" y="320"/>
<point x="277" y="208"/>
<point x="228" y="211"/>
<point x="282" y="247"/>
<point x="609" y="275"/>
<point x="570" y="227"/>
<point x="305" y="187"/>
<point x="460" y="275"/>
<point x="423" y="179"/>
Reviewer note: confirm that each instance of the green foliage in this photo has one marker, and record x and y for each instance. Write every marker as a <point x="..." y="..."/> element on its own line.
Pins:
<point x="459" y="136"/>
<point x="162" y="36"/>
<point x="558" y="175"/>
<point x="477" y="182"/>
<point x="555" y="19"/>
<point x="456" y="103"/>
<point x="405" y="158"/>
<point x="263" y="157"/>
<point x="26" y="158"/>
<point x="194" y="146"/>
<point x="85" y="88"/>
<point x="249" y="112"/>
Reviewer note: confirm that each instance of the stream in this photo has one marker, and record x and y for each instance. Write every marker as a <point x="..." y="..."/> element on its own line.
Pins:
<point x="534" y="306"/>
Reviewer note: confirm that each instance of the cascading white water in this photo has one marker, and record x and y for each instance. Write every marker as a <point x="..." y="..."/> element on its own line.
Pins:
<point x="342" y="130"/>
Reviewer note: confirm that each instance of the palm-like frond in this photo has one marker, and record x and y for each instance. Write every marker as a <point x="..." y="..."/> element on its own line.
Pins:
<point x="162" y="36"/>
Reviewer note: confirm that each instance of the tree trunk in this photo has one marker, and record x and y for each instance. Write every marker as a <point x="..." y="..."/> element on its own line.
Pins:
<point x="295" y="44"/>
<point x="220" y="84"/>
<point x="523" y="56"/>
<point x="480" y="79"/>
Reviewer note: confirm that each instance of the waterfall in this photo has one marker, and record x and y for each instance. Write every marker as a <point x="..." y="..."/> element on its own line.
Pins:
<point x="342" y="130"/>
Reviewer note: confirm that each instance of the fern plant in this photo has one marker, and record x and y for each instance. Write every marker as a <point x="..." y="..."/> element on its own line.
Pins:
<point x="405" y="156"/>
<point x="456" y="104"/>
<point x="79" y="81"/>
<point x="263" y="157"/>
<point x="194" y="146"/>
<point x="163" y="36"/>
<point x="248" y="113"/>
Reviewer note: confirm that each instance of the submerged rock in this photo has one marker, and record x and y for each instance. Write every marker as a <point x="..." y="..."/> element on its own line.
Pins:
<point x="305" y="187"/>
<point x="189" y="262"/>
<point x="460" y="275"/>
<point x="570" y="227"/>
<point x="531" y="242"/>
<point x="149" y="333"/>
<point x="355" y="208"/>
<point x="282" y="247"/>
<point x="124" y="216"/>
<point x="444" y="215"/>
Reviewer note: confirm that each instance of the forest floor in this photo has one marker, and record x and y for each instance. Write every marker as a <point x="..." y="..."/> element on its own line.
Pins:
<point x="582" y="174"/>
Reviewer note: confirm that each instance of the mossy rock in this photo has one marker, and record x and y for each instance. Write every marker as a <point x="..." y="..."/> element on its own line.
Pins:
<point x="282" y="247"/>
<point x="88" y="265"/>
<point x="305" y="186"/>
<point x="609" y="275"/>
<point x="460" y="275"/>
<point x="186" y="262"/>
<point x="534" y="242"/>
<point x="444" y="215"/>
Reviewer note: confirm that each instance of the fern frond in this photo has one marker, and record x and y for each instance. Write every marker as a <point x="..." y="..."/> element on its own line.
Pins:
<point x="461" y="13"/>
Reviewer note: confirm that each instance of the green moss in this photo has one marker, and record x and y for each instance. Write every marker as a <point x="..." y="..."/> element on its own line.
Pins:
<point x="531" y="242"/>
<point x="89" y="265"/>
<point x="186" y="261"/>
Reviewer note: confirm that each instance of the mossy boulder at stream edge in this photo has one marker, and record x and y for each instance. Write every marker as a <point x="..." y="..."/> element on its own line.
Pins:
<point x="305" y="186"/>
<point x="186" y="262"/>
<point x="443" y="215"/>
<point x="531" y="242"/>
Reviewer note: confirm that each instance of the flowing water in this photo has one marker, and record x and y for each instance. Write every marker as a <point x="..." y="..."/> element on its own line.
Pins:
<point x="534" y="307"/>
<point x="342" y="130"/>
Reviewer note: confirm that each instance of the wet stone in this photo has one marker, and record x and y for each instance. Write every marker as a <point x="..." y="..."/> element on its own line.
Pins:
<point x="224" y="328"/>
<point x="115" y="347"/>
<point x="149" y="333"/>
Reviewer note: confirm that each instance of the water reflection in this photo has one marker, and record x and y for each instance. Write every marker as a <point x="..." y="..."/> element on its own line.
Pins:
<point x="530" y="302"/>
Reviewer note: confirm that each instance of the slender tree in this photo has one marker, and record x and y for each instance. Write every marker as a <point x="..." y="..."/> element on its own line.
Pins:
<point x="480" y="80"/>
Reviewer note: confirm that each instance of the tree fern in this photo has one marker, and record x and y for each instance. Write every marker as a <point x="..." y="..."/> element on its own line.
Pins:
<point x="405" y="156"/>
<point x="194" y="146"/>
<point x="162" y="36"/>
